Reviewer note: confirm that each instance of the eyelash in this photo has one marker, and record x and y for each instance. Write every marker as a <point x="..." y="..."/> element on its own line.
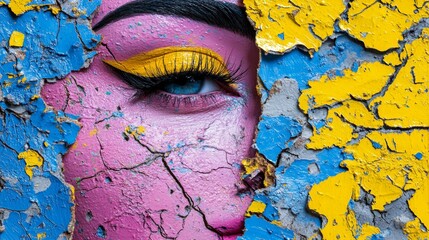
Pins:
<point x="149" y="85"/>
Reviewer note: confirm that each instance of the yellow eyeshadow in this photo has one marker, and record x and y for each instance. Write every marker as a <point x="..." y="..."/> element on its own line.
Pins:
<point x="169" y="60"/>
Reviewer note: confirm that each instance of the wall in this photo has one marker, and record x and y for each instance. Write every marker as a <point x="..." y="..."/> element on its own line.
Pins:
<point x="35" y="201"/>
<point x="344" y="87"/>
<point x="345" y="122"/>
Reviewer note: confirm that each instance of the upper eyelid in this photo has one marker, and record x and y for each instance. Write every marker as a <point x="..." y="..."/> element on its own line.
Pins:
<point x="218" y="68"/>
<point x="147" y="64"/>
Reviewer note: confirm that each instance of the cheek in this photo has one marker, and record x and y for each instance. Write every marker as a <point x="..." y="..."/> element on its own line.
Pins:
<point x="127" y="151"/>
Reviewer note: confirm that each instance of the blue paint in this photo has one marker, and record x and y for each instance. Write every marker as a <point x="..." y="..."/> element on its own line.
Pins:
<point x="107" y="180"/>
<point x="54" y="46"/>
<point x="298" y="64"/>
<point x="274" y="135"/>
<point x="42" y="2"/>
<point x="270" y="213"/>
<point x="418" y="155"/>
<point x="260" y="229"/>
<point x="101" y="232"/>
<point x="377" y="237"/>
<point x="281" y="36"/>
<point x="317" y="124"/>
<point x="376" y="145"/>
<point x="80" y="8"/>
<point x="351" y="204"/>
<point x="293" y="183"/>
<point x="87" y="36"/>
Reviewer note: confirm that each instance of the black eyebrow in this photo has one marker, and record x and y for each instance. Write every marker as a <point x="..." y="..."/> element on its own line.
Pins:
<point x="220" y="14"/>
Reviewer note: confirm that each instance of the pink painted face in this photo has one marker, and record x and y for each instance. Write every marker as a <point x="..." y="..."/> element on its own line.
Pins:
<point x="164" y="160"/>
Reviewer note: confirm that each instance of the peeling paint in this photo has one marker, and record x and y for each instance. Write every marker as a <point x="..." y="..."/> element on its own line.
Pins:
<point x="32" y="159"/>
<point x="281" y="26"/>
<point x="362" y="74"/>
<point x="35" y="200"/>
<point x="16" y="39"/>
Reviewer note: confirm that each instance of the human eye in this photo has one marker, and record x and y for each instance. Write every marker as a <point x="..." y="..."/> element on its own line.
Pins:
<point x="180" y="75"/>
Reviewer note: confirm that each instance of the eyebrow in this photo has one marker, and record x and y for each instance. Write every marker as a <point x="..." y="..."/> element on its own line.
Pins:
<point x="220" y="14"/>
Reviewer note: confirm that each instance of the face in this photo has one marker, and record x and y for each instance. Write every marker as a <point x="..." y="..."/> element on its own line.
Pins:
<point x="161" y="160"/>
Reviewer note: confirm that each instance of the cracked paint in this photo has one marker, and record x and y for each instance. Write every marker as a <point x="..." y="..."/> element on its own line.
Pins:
<point x="33" y="137"/>
<point x="149" y="164"/>
<point x="281" y="26"/>
<point x="358" y="169"/>
<point x="344" y="127"/>
<point x="32" y="159"/>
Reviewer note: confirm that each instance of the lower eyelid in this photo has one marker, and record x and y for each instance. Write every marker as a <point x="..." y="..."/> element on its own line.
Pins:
<point x="188" y="103"/>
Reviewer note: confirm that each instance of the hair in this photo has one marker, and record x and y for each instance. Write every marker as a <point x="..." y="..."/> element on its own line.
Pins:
<point x="220" y="14"/>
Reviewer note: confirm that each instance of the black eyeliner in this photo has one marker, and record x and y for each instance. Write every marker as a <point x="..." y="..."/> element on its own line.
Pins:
<point x="148" y="84"/>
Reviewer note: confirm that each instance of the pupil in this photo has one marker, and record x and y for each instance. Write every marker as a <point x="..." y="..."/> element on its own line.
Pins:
<point x="184" y="85"/>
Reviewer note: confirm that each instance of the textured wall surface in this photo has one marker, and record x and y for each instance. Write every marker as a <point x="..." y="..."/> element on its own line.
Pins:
<point x="38" y="40"/>
<point x="345" y="119"/>
<point x="343" y="137"/>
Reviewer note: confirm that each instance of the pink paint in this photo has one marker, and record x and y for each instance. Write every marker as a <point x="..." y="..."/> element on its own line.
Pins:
<point x="124" y="186"/>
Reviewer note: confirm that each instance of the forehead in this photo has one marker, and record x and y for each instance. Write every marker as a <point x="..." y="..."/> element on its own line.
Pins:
<point x="142" y="33"/>
<point x="110" y="5"/>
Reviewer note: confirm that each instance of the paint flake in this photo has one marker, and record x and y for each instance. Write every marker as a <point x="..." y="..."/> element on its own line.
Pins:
<point x="378" y="26"/>
<point x="405" y="102"/>
<point x="32" y="159"/>
<point x="368" y="80"/>
<point x="305" y="23"/>
<point x="16" y="39"/>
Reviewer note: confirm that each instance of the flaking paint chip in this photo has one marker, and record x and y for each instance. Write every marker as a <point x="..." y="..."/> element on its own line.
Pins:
<point x="16" y="39"/>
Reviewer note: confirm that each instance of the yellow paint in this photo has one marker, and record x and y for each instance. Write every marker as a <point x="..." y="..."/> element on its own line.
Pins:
<point x="74" y="146"/>
<point x="358" y="114"/>
<point x="41" y="236"/>
<point x="16" y="39"/>
<point x="168" y="60"/>
<point x="93" y="132"/>
<point x="392" y="59"/>
<point x="335" y="133"/>
<point x="419" y="203"/>
<point x="379" y="26"/>
<point x="72" y="192"/>
<point x="7" y="84"/>
<point x="256" y="163"/>
<point x="330" y="198"/>
<point x="282" y="25"/>
<point x="55" y="10"/>
<point x="135" y="131"/>
<point x="32" y="159"/>
<point x="140" y="130"/>
<point x="277" y="222"/>
<point x="404" y="7"/>
<point x="22" y="80"/>
<point x="369" y="79"/>
<point x="35" y="96"/>
<point x="414" y="230"/>
<point x="46" y="144"/>
<point x="367" y="232"/>
<point x="385" y="164"/>
<point x="19" y="7"/>
<point x="256" y="207"/>
<point x="405" y="104"/>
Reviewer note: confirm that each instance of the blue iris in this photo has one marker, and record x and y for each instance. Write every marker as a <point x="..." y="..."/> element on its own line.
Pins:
<point x="185" y="85"/>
